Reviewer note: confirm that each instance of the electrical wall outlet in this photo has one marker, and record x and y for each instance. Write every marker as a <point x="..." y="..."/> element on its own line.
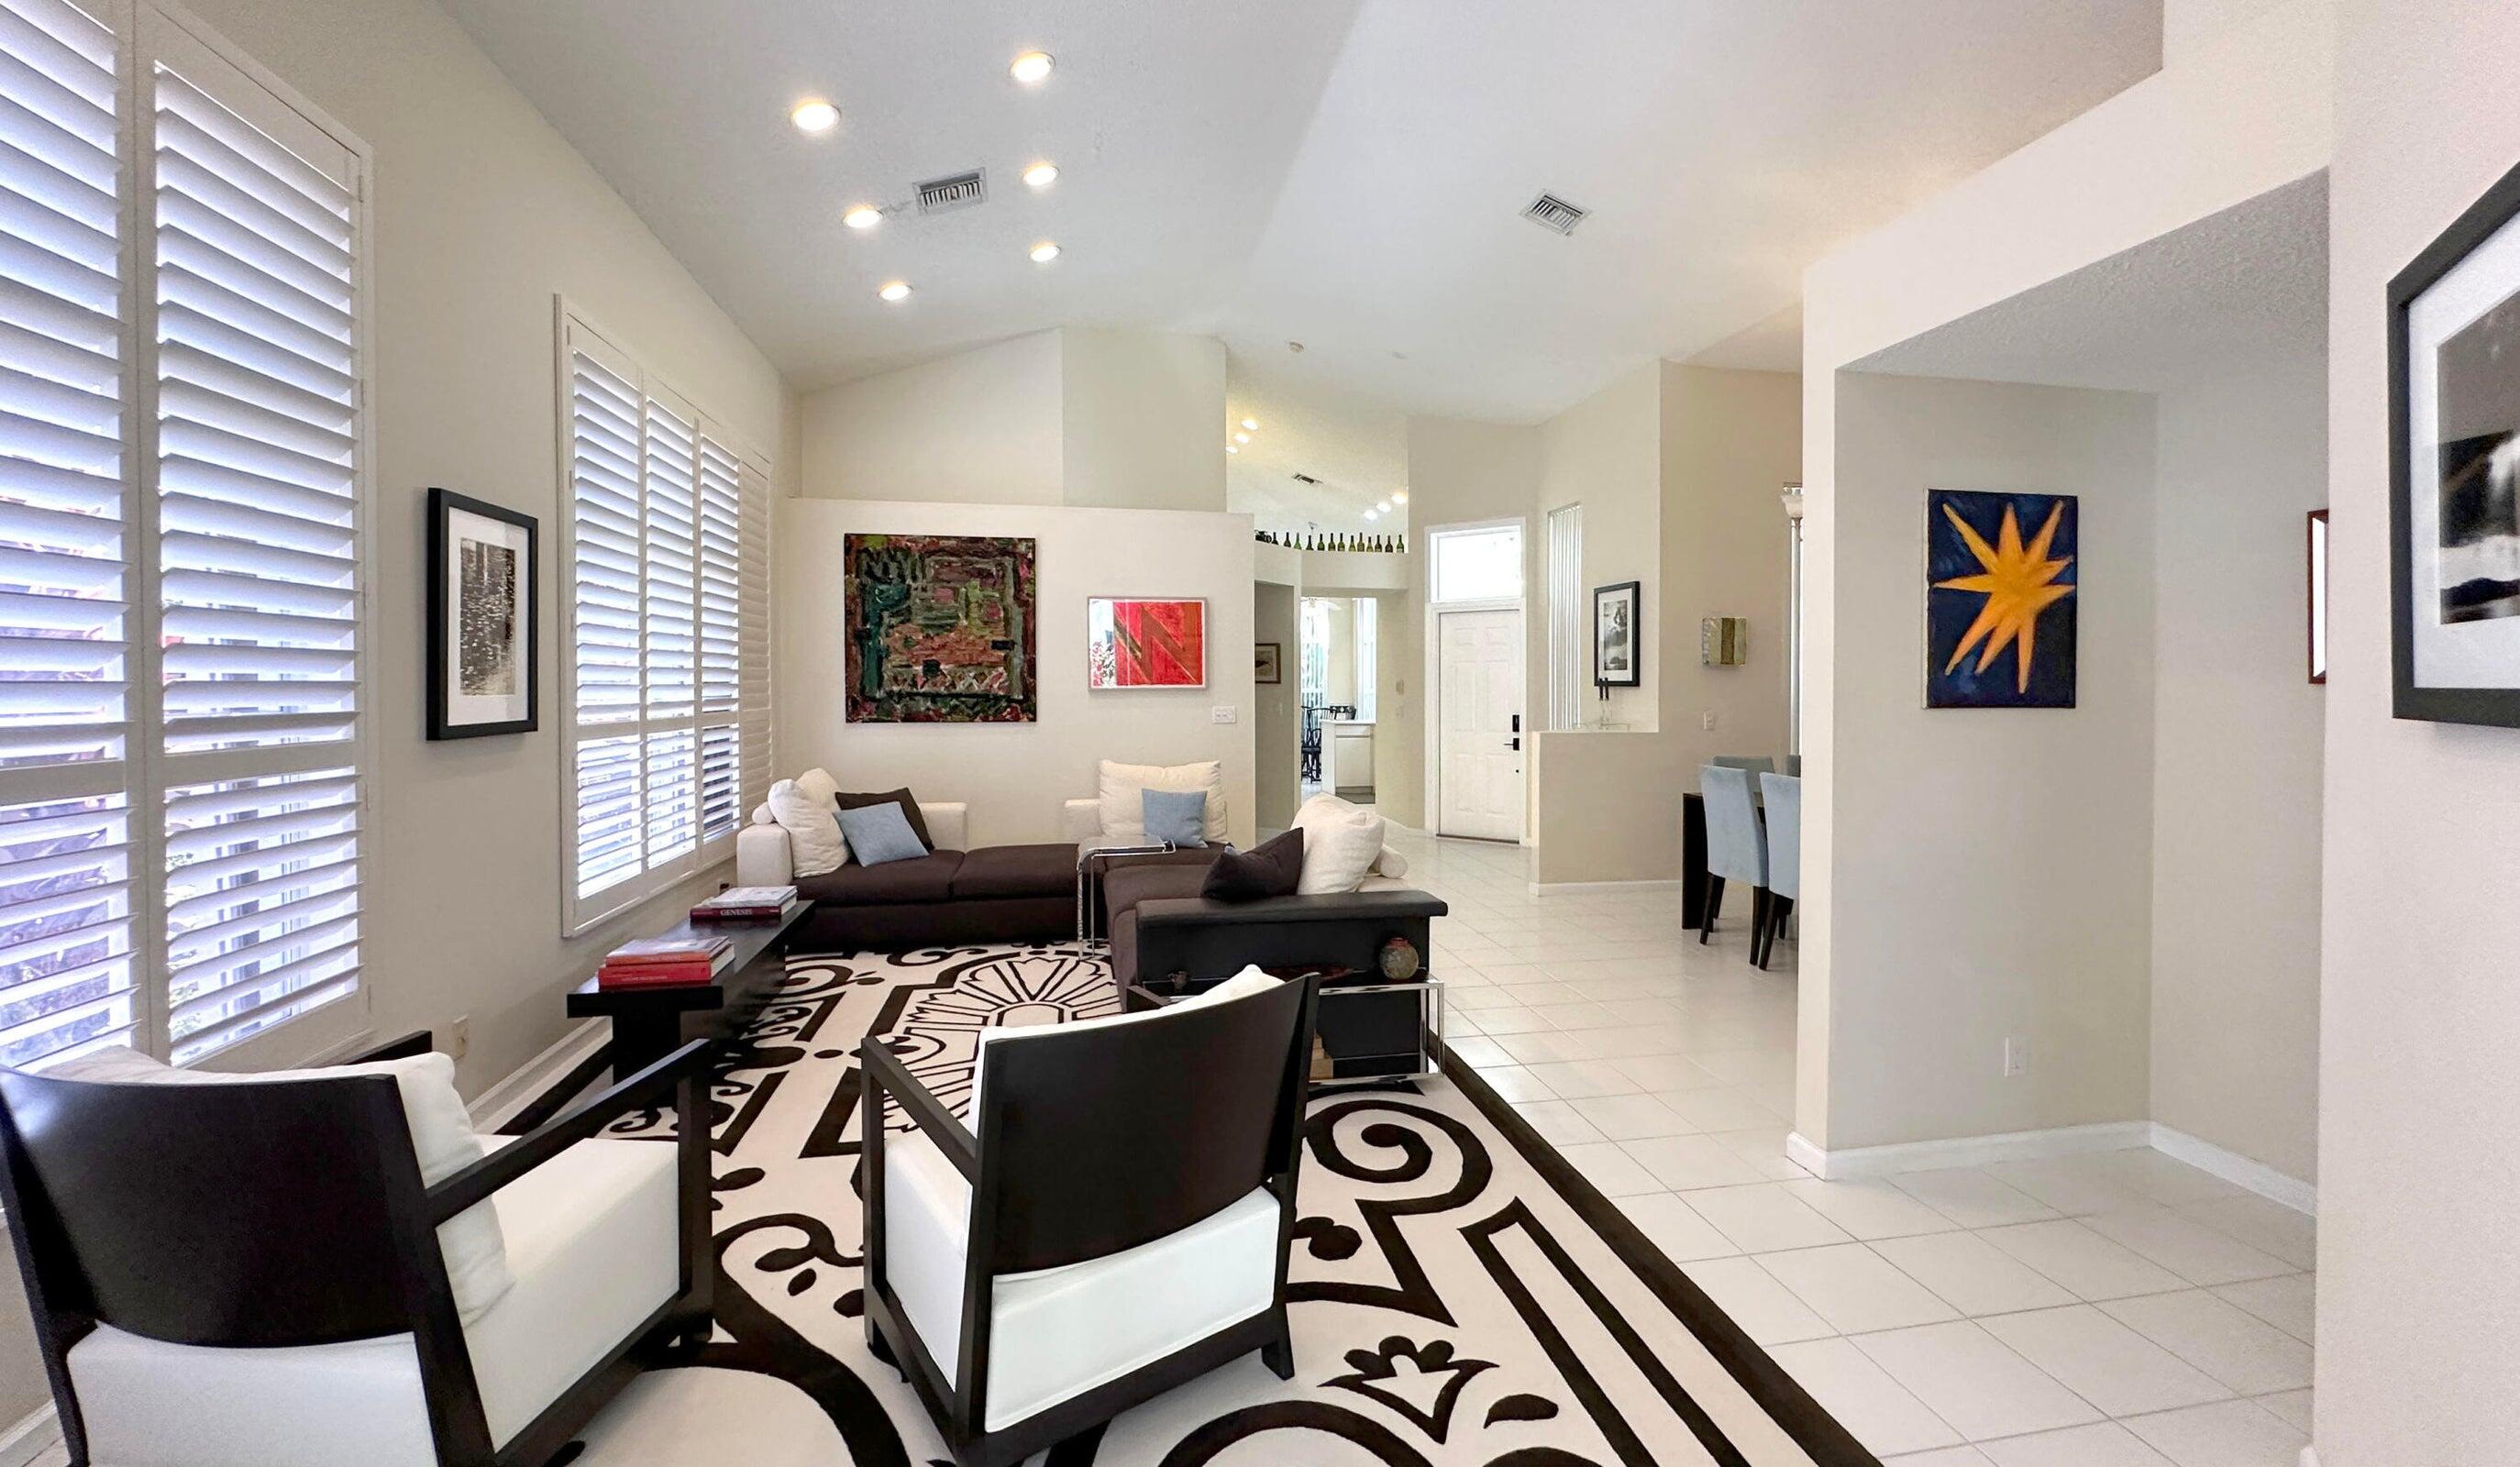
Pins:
<point x="2016" y="1057"/>
<point x="1222" y="713"/>
<point x="459" y="1036"/>
<point x="1706" y="720"/>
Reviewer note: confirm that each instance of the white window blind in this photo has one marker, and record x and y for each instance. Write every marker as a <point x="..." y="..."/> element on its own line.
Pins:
<point x="669" y="554"/>
<point x="180" y="523"/>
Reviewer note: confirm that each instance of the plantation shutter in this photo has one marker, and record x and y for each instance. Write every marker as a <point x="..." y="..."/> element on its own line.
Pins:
<point x="179" y="532"/>
<point x="752" y="639"/>
<point x="668" y="554"/>
<point x="254" y="261"/>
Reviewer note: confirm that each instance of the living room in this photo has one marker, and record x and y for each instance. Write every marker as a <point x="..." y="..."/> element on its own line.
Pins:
<point x="1289" y="644"/>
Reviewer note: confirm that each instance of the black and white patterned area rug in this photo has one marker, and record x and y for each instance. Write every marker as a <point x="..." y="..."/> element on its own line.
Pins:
<point x="1459" y="1298"/>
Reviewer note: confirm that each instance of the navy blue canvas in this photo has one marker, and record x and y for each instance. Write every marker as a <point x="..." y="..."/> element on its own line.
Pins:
<point x="2001" y="589"/>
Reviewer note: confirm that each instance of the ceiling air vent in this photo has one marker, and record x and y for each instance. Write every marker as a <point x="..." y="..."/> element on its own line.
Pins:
<point x="961" y="191"/>
<point x="1306" y="479"/>
<point x="1549" y="212"/>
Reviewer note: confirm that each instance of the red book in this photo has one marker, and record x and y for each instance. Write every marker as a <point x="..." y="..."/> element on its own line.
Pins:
<point x="648" y="952"/>
<point x="651" y="974"/>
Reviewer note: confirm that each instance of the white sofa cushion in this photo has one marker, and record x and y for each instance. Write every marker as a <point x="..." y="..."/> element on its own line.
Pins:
<point x="592" y="1240"/>
<point x="815" y="843"/>
<point x="441" y="1134"/>
<point x="1057" y="1333"/>
<point x="1341" y="843"/>
<point x="1122" y="790"/>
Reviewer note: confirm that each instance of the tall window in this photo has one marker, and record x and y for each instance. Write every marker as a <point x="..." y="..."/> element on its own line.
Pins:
<point x="1568" y="657"/>
<point x="669" y="633"/>
<point x="181" y="649"/>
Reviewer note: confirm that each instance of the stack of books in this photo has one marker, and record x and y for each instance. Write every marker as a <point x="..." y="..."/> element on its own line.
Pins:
<point x="655" y="961"/>
<point x="747" y="904"/>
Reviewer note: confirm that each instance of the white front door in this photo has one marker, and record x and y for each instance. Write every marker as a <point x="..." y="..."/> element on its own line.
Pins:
<point x="1479" y="675"/>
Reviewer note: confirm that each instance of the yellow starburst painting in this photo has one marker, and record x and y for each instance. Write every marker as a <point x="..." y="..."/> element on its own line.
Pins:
<point x="1999" y="604"/>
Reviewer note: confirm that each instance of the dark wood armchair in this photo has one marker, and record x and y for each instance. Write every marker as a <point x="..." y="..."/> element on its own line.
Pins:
<point x="1117" y="1225"/>
<point x="250" y="1274"/>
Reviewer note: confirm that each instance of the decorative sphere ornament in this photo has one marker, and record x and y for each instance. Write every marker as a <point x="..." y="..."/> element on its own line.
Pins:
<point x="1399" y="960"/>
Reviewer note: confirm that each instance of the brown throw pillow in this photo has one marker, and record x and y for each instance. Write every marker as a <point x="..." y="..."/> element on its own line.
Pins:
<point x="900" y="797"/>
<point x="1270" y="868"/>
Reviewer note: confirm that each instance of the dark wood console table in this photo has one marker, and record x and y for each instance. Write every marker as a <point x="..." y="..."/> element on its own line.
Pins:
<point x="650" y="1023"/>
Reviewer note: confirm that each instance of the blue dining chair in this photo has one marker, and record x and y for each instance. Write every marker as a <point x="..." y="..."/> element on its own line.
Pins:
<point x="1755" y="764"/>
<point x="1735" y="851"/>
<point x="1784" y="798"/>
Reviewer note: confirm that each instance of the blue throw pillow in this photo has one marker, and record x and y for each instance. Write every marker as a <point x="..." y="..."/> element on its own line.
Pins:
<point x="878" y="833"/>
<point x="1177" y="816"/>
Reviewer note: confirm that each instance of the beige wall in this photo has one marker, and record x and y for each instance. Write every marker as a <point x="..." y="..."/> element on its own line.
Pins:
<point x="2237" y="731"/>
<point x="1016" y="775"/>
<point x="985" y="426"/>
<point x="1731" y="442"/>
<point x="1606" y="454"/>
<point x="1144" y="421"/>
<point x="1993" y="868"/>
<point x="1277" y="727"/>
<point x="1609" y="808"/>
<point x="481" y="215"/>
<point x="1077" y="415"/>
<point x="2419" y="1187"/>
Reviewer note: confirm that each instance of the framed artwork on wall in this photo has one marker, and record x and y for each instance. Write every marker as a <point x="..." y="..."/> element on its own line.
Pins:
<point x="940" y="628"/>
<point x="1618" y="635"/>
<point x="1267" y="663"/>
<point x="1133" y="641"/>
<point x="484" y="626"/>
<point x="2454" y="471"/>
<point x="2317" y="552"/>
<point x="2001" y="587"/>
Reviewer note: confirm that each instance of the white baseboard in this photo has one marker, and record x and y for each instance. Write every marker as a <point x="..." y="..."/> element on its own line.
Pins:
<point x="1577" y="888"/>
<point x="41" y="1431"/>
<point x="2256" y="1176"/>
<point x="497" y="1105"/>
<point x="1966" y="1150"/>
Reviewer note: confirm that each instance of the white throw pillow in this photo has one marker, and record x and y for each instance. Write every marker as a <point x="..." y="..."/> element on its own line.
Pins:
<point x="1243" y="985"/>
<point x="814" y="840"/>
<point x="1391" y="864"/>
<point x="441" y="1135"/>
<point x="1124" y="787"/>
<point x="1341" y="842"/>
<point x="818" y="784"/>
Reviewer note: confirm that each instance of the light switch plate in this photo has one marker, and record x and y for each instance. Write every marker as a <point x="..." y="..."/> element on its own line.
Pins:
<point x="1222" y="713"/>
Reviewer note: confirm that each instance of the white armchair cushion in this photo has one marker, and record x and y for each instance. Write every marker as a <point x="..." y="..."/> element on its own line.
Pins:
<point x="1341" y="843"/>
<point x="949" y="824"/>
<point x="1083" y="822"/>
<point x="441" y="1134"/>
<point x="1123" y="788"/>
<point x="592" y="1240"/>
<point x="815" y="844"/>
<point x="1057" y="1333"/>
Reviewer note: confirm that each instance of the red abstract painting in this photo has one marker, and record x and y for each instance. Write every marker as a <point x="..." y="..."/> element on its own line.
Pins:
<point x="1146" y="643"/>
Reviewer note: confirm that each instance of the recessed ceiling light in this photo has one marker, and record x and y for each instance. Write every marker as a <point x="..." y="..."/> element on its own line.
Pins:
<point x="1230" y="448"/>
<point x="1044" y="252"/>
<point x="1041" y="175"/>
<point x="1400" y="496"/>
<point x="814" y="116"/>
<point x="1253" y="424"/>
<point x="1369" y="514"/>
<point x="1242" y="437"/>
<point x="898" y="291"/>
<point x="1384" y="507"/>
<point x="864" y="216"/>
<point x="1031" y="69"/>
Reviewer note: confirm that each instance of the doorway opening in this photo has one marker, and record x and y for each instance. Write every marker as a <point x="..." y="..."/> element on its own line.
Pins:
<point x="1475" y="651"/>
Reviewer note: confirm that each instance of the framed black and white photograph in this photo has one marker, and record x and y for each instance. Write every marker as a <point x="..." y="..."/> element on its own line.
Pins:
<point x="484" y="627"/>
<point x="1618" y="635"/>
<point x="2455" y="466"/>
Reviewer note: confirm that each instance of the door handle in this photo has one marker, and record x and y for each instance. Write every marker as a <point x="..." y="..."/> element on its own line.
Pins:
<point x="1514" y="745"/>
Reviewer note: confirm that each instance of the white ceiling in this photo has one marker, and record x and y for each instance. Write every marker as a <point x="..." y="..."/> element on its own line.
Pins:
<point x="1347" y="173"/>
<point x="1358" y="447"/>
<point x="2242" y="287"/>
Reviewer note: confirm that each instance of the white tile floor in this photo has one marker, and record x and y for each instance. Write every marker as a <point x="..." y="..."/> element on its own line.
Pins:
<point x="2122" y="1310"/>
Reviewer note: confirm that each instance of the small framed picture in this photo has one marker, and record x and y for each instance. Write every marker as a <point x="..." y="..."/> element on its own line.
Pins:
<point x="1265" y="669"/>
<point x="484" y="627"/>
<point x="2317" y="595"/>
<point x="2454" y="471"/>
<point x="1618" y="635"/>
<point x="1134" y="642"/>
